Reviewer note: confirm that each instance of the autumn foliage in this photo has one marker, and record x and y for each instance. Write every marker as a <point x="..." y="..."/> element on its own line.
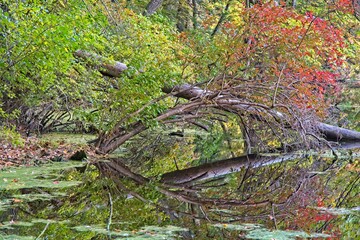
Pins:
<point x="279" y="55"/>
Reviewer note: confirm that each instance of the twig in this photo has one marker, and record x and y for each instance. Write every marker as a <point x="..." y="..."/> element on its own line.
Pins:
<point x="177" y="168"/>
<point x="306" y="32"/>
<point x="277" y="85"/>
<point x="273" y="216"/>
<point x="204" y="213"/>
<point x="43" y="231"/>
<point x="111" y="213"/>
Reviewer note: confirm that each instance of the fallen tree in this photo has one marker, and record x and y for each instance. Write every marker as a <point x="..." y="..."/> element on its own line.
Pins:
<point x="189" y="92"/>
<point x="280" y="117"/>
<point x="200" y="100"/>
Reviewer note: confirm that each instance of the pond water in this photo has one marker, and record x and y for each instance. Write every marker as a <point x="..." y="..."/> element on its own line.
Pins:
<point x="315" y="196"/>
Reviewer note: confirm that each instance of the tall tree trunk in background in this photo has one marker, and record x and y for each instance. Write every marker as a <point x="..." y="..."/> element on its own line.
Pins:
<point x="221" y="19"/>
<point x="180" y="23"/>
<point x="356" y="6"/>
<point x="152" y="6"/>
<point x="195" y="13"/>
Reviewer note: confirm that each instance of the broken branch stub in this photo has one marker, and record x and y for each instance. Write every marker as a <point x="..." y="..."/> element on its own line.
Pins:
<point x="106" y="67"/>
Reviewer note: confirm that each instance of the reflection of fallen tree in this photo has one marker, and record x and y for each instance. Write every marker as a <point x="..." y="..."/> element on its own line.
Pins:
<point x="220" y="168"/>
<point x="181" y="184"/>
<point x="266" y="186"/>
<point x="115" y="169"/>
<point x="223" y="167"/>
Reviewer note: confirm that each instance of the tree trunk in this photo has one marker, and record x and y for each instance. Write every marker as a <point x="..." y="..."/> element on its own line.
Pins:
<point x="221" y="19"/>
<point x="152" y="6"/>
<point x="106" y="67"/>
<point x="195" y="14"/>
<point x="337" y="133"/>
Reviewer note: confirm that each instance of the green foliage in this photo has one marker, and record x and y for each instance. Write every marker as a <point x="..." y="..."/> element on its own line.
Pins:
<point x="11" y="136"/>
<point x="36" y="48"/>
<point x="220" y="142"/>
<point x="178" y="155"/>
<point x="350" y="107"/>
<point x="208" y="146"/>
<point x="37" y="64"/>
<point x="257" y="51"/>
<point x="350" y="226"/>
<point x="147" y="47"/>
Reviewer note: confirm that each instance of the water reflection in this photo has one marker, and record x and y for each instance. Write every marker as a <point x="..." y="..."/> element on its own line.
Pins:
<point x="299" y="195"/>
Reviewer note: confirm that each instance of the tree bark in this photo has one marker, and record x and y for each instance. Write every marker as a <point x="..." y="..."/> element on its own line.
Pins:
<point x="337" y="133"/>
<point x="152" y="6"/>
<point x="106" y="67"/>
<point x="355" y="84"/>
<point x="195" y="14"/>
